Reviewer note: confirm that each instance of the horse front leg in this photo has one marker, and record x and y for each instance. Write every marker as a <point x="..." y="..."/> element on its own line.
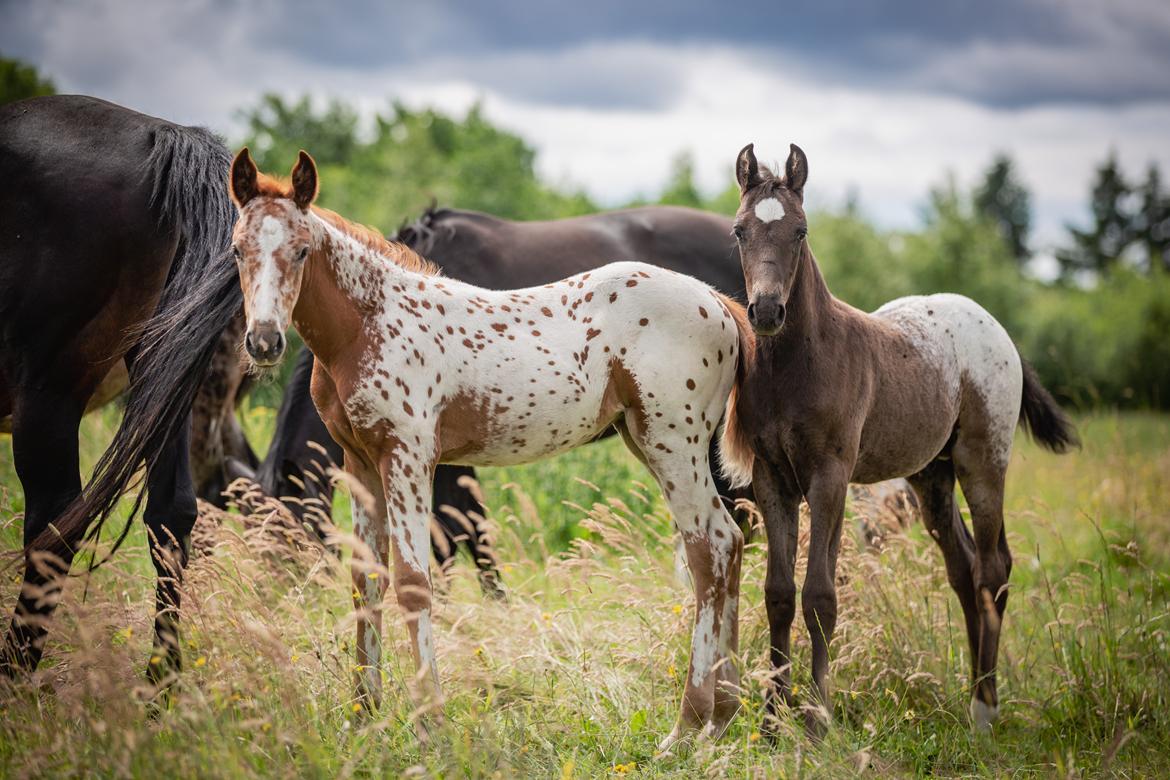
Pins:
<point x="779" y="501"/>
<point x="369" y="573"/>
<point x="407" y="478"/>
<point x="826" y="501"/>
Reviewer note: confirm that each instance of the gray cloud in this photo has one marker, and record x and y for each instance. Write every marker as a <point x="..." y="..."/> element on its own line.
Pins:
<point x="1006" y="53"/>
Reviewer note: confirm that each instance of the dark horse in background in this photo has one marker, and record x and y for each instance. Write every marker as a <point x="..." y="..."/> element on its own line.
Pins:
<point x="498" y="254"/>
<point x="112" y="253"/>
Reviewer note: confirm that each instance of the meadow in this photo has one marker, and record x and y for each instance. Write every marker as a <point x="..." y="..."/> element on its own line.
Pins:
<point x="579" y="673"/>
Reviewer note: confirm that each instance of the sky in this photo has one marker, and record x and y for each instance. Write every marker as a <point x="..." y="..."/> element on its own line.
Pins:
<point x="886" y="98"/>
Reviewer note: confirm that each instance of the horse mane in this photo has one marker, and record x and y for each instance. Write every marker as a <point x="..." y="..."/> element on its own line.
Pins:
<point x="369" y="237"/>
<point x="735" y="451"/>
<point x="420" y="234"/>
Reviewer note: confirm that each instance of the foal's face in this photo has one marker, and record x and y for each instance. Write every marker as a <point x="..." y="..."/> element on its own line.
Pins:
<point x="770" y="227"/>
<point x="271" y="242"/>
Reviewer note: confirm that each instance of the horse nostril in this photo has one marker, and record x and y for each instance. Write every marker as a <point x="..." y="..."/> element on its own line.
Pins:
<point x="249" y="342"/>
<point x="751" y="311"/>
<point x="780" y="313"/>
<point x="278" y="343"/>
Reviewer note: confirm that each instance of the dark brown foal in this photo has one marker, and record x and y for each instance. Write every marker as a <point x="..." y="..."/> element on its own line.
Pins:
<point x="928" y="387"/>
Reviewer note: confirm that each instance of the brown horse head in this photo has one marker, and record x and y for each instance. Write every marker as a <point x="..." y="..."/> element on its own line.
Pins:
<point x="271" y="242"/>
<point x="771" y="228"/>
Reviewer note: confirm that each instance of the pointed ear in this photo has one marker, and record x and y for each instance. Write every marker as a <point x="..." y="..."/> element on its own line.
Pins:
<point x="747" y="170"/>
<point x="243" y="178"/>
<point x="796" y="170"/>
<point x="304" y="181"/>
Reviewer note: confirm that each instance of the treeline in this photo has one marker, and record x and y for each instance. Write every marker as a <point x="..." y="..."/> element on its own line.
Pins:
<point x="1099" y="334"/>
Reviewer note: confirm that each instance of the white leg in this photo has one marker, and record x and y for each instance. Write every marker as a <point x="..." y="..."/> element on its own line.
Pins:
<point x="407" y="479"/>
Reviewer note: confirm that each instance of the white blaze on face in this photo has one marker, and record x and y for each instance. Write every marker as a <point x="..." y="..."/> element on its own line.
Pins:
<point x="267" y="287"/>
<point x="769" y="210"/>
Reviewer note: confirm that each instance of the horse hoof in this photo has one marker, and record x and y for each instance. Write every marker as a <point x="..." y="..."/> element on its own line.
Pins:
<point x="983" y="715"/>
<point x="668" y="743"/>
<point x="816" y="723"/>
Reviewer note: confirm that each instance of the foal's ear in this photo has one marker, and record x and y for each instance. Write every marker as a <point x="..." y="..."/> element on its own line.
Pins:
<point x="243" y="178"/>
<point x="747" y="170"/>
<point x="796" y="170"/>
<point x="304" y="181"/>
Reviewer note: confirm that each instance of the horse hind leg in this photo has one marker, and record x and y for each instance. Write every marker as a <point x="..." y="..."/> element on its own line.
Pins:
<point x="981" y="477"/>
<point x="44" y="443"/>
<point x="935" y="487"/>
<point x="714" y="551"/>
<point x="169" y="517"/>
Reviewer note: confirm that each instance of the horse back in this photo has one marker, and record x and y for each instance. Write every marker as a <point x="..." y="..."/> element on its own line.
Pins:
<point x="945" y="362"/>
<point x="502" y="254"/>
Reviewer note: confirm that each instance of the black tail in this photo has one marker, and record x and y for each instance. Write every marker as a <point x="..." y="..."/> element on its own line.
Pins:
<point x="187" y="170"/>
<point x="1042" y="417"/>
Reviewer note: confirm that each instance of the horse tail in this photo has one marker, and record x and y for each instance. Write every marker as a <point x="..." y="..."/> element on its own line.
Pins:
<point x="1042" y="417"/>
<point x="186" y="172"/>
<point x="736" y="457"/>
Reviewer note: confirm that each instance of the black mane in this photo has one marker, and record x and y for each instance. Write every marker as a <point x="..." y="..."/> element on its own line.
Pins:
<point x="420" y="234"/>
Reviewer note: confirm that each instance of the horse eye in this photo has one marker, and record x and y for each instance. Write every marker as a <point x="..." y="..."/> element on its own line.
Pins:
<point x="236" y="253"/>
<point x="737" y="231"/>
<point x="801" y="234"/>
<point x="303" y="254"/>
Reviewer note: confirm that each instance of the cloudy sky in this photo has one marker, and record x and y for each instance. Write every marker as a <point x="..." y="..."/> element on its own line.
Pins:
<point x="884" y="96"/>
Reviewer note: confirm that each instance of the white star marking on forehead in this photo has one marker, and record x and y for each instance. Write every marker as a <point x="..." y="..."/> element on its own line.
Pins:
<point x="769" y="210"/>
<point x="271" y="235"/>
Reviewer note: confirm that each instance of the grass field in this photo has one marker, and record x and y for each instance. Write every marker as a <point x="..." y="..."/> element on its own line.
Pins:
<point x="578" y="675"/>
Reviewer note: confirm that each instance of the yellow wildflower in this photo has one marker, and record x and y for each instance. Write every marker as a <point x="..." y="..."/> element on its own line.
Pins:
<point x="678" y="609"/>
<point x="200" y="661"/>
<point x="754" y="737"/>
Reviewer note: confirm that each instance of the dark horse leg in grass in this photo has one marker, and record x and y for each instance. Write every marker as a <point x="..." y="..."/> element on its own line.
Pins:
<point x="112" y="248"/>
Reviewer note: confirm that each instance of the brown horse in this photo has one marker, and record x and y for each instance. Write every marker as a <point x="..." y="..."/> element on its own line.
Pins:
<point x="414" y="370"/>
<point x="930" y="388"/>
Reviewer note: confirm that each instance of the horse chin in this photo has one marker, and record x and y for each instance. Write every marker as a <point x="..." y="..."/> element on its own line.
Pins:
<point x="264" y="367"/>
<point x="768" y="331"/>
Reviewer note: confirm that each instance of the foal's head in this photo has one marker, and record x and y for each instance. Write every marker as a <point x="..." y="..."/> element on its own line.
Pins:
<point x="770" y="228"/>
<point x="271" y="242"/>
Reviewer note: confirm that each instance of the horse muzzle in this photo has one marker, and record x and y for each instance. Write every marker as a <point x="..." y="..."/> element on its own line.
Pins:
<point x="265" y="344"/>
<point x="766" y="315"/>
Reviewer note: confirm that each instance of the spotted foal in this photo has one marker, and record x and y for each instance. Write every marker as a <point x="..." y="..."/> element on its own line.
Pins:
<point x="928" y="387"/>
<point x="414" y="370"/>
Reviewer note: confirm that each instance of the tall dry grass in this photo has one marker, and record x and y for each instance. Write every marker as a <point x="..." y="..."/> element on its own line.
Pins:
<point x="580" y="672"/>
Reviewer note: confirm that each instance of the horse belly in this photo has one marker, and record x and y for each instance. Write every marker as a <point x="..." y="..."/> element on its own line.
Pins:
<point x="917" y="399"/>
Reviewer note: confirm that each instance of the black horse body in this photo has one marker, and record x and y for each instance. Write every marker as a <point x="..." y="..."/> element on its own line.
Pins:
<point x="112" y="250"/>
<point x="498" y="254"/>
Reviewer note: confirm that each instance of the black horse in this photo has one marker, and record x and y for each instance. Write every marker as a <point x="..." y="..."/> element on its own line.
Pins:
<point x="500" y="254"/>
<point x="112" y="253"/>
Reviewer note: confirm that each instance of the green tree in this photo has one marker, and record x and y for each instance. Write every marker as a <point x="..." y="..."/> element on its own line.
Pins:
<point x="1102" y="246"/>
<point x="1003" y="200"/>
<point x="277" y="130"/>
<point x="1153" y="222"/>
<point x="680" y="187"/>
<point x="19" y="80"/>
<point x="410" y="160"/>
<point x="959" y="251"/>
